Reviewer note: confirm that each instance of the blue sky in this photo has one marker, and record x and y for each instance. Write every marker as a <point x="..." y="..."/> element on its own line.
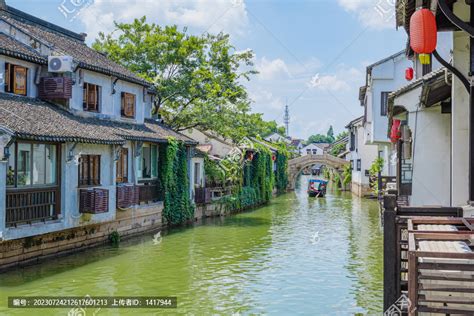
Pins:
<point x="312" y="53"/>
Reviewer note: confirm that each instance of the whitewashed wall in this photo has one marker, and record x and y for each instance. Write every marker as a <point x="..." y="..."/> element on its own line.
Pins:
<point x="110" y="105"/>
<point x="431" y="150"/>
<point x="31" y="89"/>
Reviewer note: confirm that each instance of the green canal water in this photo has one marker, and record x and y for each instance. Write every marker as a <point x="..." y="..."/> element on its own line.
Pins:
<point x="296" y="256"/>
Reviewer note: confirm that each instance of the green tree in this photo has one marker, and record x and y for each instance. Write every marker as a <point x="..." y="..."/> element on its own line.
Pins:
<point x="198" y="78"/>
<point x="330" y="135"/>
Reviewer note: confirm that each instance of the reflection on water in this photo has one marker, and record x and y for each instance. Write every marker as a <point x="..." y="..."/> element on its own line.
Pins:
<point x="298" y="255"/>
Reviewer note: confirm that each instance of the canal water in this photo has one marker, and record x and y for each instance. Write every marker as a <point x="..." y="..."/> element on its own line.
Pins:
<point x="296" y="256"/>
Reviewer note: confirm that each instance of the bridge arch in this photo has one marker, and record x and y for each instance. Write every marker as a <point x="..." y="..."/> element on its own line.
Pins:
<point x="296" y="165"/>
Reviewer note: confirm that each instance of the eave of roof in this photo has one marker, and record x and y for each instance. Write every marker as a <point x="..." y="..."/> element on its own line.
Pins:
<point x="28" y="118"/>
<point x="356" y="120"/>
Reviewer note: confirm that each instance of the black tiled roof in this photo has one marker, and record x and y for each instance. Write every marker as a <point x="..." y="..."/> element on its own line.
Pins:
<point x="64" y="43"/>
<point x="13" y="48"/>
<point x="29" y="118"/>
<point x="33" y="119"/>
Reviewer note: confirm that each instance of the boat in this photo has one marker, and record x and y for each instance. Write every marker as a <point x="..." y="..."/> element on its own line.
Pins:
<point x="317" y="188"/>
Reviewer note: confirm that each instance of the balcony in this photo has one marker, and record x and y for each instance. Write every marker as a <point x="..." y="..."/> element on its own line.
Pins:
<point x="93" y="201"/>
<point x="51" y="88"/>
<point x="149" y="192"/>
<point x="127" y="195"/>
<point x="26" y="206"/>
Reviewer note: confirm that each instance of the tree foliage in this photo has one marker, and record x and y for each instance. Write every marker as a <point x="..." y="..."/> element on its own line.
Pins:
<point x="199" y="79"/>
<point x="320" y="138"/>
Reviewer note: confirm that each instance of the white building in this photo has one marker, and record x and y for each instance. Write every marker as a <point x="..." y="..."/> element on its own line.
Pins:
<point x="361" y="157"/>
<point x="275" y="138"/>
<point x="314" y="149"/>
<point x="382" y="78"/>
<point x="91" y="149"/>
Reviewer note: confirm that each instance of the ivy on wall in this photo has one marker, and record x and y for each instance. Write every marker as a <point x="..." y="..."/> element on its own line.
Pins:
<point x="174" y="182"/>
<point x="281" y="171"/>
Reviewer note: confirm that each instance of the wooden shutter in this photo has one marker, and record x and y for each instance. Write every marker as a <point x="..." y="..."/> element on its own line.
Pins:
<point x="19" y="80"/>
<point x="8" y="87"/>
<point x="122" y="167"/>
<point x="128" y="104"/>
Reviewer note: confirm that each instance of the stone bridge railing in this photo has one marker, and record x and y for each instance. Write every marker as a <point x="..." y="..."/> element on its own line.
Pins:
<point x="297" y="164"/>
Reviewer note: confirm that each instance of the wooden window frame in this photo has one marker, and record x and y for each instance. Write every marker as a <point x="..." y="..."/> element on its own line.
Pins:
<point x="57" y="166"/>
<point x="140" y="176"/>
<point x="11" y="79"/>
<point x="95" y="105"/>
<point x="128" y="100"/>
<point x="89" y="161"/>
<point x="359" y="164"/>
<point x="122" y="167"/>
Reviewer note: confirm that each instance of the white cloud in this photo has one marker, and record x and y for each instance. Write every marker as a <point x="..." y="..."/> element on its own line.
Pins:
<point x="229" y="16"/>
<point x="375" y="14"/>
<point x="265" y="101"/>
<point x="328" y="82"/>
<point x="272" y="69"/>
<point x="344" y="79"/>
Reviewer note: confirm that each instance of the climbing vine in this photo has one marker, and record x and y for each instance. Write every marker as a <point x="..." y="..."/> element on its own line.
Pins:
<point x="175" y="182"/>
<point x="375" y="168"/>
<point x="347" y="175"/>
<point x="281" y="171"/>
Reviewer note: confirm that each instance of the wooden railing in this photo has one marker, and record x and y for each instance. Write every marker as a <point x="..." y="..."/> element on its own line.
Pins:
<point x="441" y="282"/>
<point x="395" y="222"/>
<point x="202" y="196"/>
<point x="149" y="192"/>
<point x="31" y="205"/>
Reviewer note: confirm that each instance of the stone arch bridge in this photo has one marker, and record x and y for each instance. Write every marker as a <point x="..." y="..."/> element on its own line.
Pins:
<point x="296" y="165"/>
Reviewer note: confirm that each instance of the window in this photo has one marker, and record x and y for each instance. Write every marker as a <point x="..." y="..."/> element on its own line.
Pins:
<point x="91" y="97"/>
<point x="352" y="141"/>
<point x="122" y="166"/>
<point x="197" y="174"/>
<point x="308" y="151"/>
<point x="359" y="165"/>
<point x="89" y="170"/>
<point x="32" y="164"/>
<point x="315" y="151"/>
<point x="352" y="164"/>
<point x="16" y="79"/>
<point x="384" y="103"/>
<point x="128" y="105"/>
<point x="148" y="163"/>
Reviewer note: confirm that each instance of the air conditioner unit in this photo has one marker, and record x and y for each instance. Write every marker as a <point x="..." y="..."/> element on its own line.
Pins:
<point x="60" y="64"/>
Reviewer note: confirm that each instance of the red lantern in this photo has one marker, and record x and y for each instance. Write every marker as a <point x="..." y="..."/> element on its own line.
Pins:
<point x="409" y="74"/>
<point x="274" y="157"/>
<point x="249" y="156"/>
<point x="395" y="132"/>
<point x="423" y="34"/>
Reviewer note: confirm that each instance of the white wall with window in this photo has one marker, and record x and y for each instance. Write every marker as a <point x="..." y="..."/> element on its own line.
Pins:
<point x="96" y="94"/>
<point x="17" y="76"/>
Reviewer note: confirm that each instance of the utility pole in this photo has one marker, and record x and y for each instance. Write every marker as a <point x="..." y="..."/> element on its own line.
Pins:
<point x="286" y="119"/>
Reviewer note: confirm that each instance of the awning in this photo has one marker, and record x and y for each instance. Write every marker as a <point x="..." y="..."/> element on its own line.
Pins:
<point x="426" y="91"/>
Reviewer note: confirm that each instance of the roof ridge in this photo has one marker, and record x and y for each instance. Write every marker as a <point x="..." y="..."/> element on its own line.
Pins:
<point x="25" y="17"/>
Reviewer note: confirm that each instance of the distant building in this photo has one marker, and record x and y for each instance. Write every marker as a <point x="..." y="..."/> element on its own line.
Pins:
<point x="315" y="149"/>
<point x="275" y="138"/>
<point x="361" y="157"/>
<point x="382" y="78"/>
<point x="297" y="146"/>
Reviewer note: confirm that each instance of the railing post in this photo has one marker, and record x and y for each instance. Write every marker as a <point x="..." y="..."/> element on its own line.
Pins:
<point x="390" y="287"/>
<point x="3" y="197"/>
